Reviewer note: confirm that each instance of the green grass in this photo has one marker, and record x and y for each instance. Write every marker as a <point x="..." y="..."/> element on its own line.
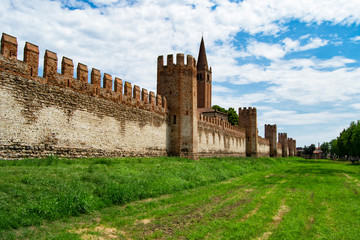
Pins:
<point x="35" y="190"/>
<point x="172" y="198"/>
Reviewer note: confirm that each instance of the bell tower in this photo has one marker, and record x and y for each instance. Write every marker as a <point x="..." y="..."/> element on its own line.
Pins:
<point x="204" y="79"/>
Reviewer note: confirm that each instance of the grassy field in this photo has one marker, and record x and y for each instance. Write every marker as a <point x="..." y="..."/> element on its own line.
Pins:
<point x="228" y="198"/>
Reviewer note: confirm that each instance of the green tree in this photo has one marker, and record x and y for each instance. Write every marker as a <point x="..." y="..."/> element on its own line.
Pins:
<point x="347" y="144"/>
<point x="325" y="148"/>
<point x="354" y="141"/>
<point x="309" y="150"/>
<point x="334" y="148"/>
<point x="218" y="108"/>
<point x="233" y="117"/>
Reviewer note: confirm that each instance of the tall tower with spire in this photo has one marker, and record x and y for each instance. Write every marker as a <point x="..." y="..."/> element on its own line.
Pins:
<point x="204" y="79"/>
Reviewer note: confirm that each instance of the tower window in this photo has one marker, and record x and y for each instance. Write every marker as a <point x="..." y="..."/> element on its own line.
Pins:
<point x="174" y="122"/>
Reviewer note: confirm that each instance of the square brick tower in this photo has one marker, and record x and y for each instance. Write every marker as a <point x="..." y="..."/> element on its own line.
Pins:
<point x="271" y="134"/>
<point x="177" y="82"/>
<point x="204" y="79"/>
<point x="284" y="142"/>
<point x="291" y="147"/>
<point x="247" y="120"/>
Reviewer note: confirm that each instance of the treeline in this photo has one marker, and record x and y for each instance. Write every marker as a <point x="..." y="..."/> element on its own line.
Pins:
<point x="233" y="117"/>
<point x="347" y="144"/>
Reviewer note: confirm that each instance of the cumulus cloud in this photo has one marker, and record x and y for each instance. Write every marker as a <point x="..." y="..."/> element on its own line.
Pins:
<point x="218" y="89"/>
<point x="270" y="51"/>
<point x="304" y="80"/>
<point x="294" y="118"/>
<point x="277" y="51"/>
<point x="355" y="39"/>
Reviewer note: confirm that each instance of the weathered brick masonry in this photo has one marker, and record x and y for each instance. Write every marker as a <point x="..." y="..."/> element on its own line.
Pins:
<point x="220" y="138"/>
<point x="58" y="114"/>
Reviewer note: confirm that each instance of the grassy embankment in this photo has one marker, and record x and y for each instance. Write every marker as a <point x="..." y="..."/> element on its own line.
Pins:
<point x="47" y="189"/>
<point x="212" y="198"/>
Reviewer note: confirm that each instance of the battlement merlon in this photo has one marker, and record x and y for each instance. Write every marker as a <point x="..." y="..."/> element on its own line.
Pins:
<point x="31" y="58"/>
<point x="271" y="127"/>
<point x="152" y="98"/>
<point x="82" y="72"/>
<point x="95" y="77"/>
<point x="67" y="67"/>
<point x="118" y="86"/>
<point x="107" y="82"/>
<point x="136" y="93"/>
<point x="180" y="60"/>
<point x="9" y="46"/>
<point x="159" y="102"/>
<point x="144" y="95"/>
<point x="249" y="110"/>
<point x="127" y="89"/>
<point x="50" y="64"/>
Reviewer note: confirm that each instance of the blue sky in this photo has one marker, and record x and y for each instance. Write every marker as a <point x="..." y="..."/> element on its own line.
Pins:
<point x="297" y="62"/>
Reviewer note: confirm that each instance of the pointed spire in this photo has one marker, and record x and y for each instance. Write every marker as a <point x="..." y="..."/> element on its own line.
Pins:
<point x="202" y="63"/>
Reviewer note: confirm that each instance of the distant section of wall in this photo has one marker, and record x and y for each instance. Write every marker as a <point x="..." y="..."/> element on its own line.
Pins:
<point x="282" y="137"/>
<point x="263" y="147"/>
<point x="279" y="149"/>
<point x="220" y="138"/>
<point x="57" y="114"/>
<point x="271" y="134"/>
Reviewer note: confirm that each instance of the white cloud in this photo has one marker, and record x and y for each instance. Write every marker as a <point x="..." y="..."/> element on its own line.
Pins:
<point x="305" y="81"/>
<point x="270" y="51"/>
<point x="356" y="39"/>
<point x="295" y="46"/>
<point x="356" y="105"/>
<point x="282" y="117"/>
<point x="277" y="51"/>
<point x="217" y="89"/>
<point x="314" y="43"/>
<point x="103" y="2"/>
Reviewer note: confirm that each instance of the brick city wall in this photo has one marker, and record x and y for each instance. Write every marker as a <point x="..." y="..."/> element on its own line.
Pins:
<point x="279" y="150"/>
<point x="220" y="138"/>
<point x="263" y="147"/>
<point x="58" y="114"/>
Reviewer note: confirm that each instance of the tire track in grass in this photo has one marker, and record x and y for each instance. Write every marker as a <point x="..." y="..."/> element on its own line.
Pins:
<point x="256" y="209"/>
<point x="252" y="213"/>
<point x="282" y="211"/>
<point x="202" y="213"/>
<point x="240" y="216"/>
<point x="193" y="212"/>
<point x="352" y="179"/>
<point x="222" y="206"/>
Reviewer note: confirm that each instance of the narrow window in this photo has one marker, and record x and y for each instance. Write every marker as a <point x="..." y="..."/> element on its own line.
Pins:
<point x="174" y="119"/>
